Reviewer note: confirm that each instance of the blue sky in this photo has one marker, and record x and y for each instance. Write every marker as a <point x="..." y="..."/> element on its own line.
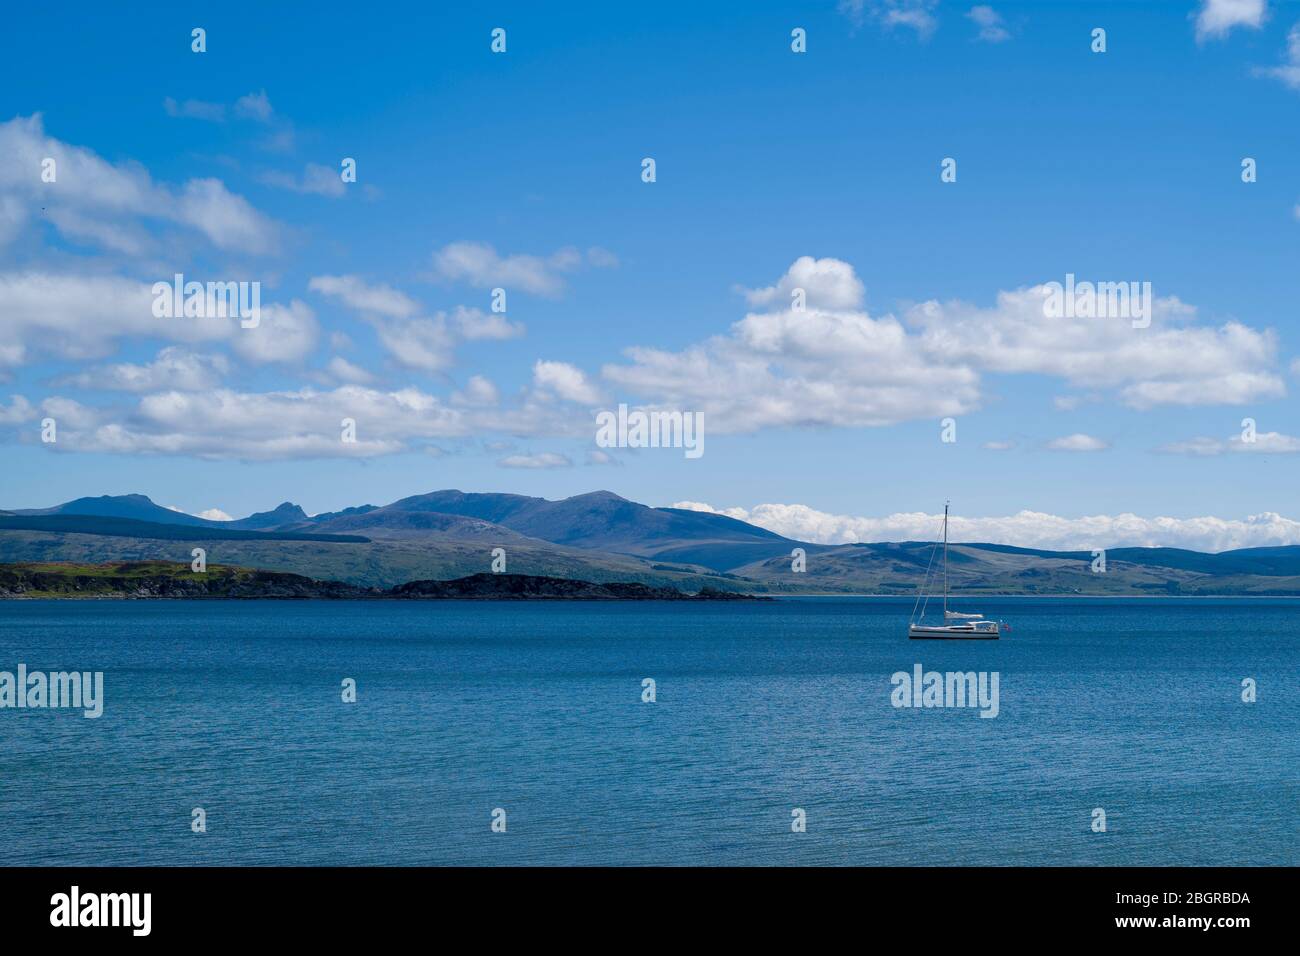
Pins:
<point x="522" y="170"/>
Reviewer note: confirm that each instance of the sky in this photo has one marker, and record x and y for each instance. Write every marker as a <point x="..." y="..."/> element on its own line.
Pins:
<point x="923" y="294"/>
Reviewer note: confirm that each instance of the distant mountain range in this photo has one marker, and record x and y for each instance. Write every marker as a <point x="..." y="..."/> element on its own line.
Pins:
<point x="602" y="537"/>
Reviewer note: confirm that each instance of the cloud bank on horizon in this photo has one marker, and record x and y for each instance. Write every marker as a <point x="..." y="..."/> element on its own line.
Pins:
<point x="1027" y="529"/>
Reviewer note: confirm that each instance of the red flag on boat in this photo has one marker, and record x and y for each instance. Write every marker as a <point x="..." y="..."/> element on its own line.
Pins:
<point x="1006" y="626"/>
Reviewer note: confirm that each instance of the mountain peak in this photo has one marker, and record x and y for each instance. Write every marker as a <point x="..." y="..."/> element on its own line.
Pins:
<point x="593" y="497"/>
<point x="135" y="506"/>
<point x="283" y="514"/>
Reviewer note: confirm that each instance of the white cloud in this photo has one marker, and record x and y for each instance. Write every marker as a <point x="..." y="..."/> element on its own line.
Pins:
<point x="18" y="411"/>
<point x="1289" y="71"/>
<point x="371" y="299"/>
<point x="174" y="367"/>
<point x="1201" y="447"/>
<point x="477" y="391"/>
<point x="835" y="364"/>
<point x="286" y="333"/>
<point x="474" y="324"/>
<point x="315" y="180"/>
<point x="426" y="345"/>
<point x="214" y="514"/>
<point x="226" y="219"/>
<point x="95" y="199"/>
<point x="999" y="445"/>
<point x="226" y="424"/>
<point x="543" y="460"/>
<point x="1265" y="443"/>
<point x="565" y="381"/>
<point x="195" y="109"/>
<point x="479" y="265"/>
<point x="1077" y="442"/>
<point x="992" y="29"/>
<point x="13" y="216"/>
<point x="297" y="424"/>
<point x="127" y="238"/>
<point x="1172" y="362"/>
<point x="348" y="372"/>
<point x="255" y="106"/>
<point x="72" y="414"/>
<point x="826" y="283"/>
<point x="832" y="364"/>
<point x="1026" y="529"/>
<point x="83" y="317"/>
<point x="915" y="14"/>
<point x="1217" y="18"/>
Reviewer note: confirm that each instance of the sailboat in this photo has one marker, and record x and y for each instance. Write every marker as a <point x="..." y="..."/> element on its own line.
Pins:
<point x="956" y="626"/>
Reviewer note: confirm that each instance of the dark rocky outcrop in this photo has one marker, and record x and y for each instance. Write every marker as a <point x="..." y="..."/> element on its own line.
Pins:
<point x="531" y="587"/>
<point x="154" y="579"/>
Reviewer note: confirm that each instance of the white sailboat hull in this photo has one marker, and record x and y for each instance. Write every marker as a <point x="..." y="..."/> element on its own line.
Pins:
<point x="955" y="632"/>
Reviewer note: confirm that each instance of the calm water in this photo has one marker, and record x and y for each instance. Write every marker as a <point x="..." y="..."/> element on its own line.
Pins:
<point x="1132" y="706"/>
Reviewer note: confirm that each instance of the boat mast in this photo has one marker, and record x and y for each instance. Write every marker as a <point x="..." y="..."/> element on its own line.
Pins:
<point x="945" y="560"/>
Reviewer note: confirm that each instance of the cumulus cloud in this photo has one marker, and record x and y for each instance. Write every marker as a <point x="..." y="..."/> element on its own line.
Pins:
<point x="826" y="284"/>
<point x="479" y="264"/>
<point x="917" y="15"/>
<point x="992" y="29"/>
<point x="1026" y="529"/>
<point x="1077" y="442"/>
<point x="830" y="364"/>
<point x="195" y="109"/>
<point x="349" y="372"/>
<point x="1173" y="362"/>
<point x="295" y="424"/>
<point x="543" y="460"/>
<point x="477" y="391"/>
<point x="18" y="411"/>
<point x="258" y="426"/>
<point x="174" y="368"/>
<point x="286" y="333"/>
<point x="13" y="216"/>
<point x="1289" y="71"/>
<point x="254" y="106"/>
<point x="101" y="201"/>
<point x="364" y="297"/>
<point x="315" y="179"/>
<point x="83" y="317"/>
<point x="833" y="363"/>
<point x="423" y="344"/>
<point x="1217" y="18"/>
<point x="474" y="325"/>
<point x="1264" y="443"/>
<point x="565" y="381"/>
<point x="415" y="341"/>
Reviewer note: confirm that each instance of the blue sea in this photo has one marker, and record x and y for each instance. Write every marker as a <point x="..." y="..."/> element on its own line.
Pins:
<point x="1131" y="706"/>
